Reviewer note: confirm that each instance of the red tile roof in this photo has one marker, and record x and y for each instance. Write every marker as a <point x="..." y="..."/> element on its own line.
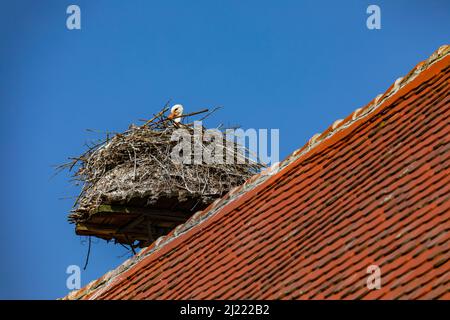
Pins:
<point x="373" y="189"/>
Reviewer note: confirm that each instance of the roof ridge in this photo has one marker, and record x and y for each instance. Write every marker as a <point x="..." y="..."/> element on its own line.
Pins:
<point x="199" y="217"/>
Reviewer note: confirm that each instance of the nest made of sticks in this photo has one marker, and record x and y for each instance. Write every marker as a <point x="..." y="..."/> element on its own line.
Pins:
<point x="136" y="167"/>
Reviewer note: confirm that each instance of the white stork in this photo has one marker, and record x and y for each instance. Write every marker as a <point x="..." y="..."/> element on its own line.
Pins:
<point x="175" y="113"/>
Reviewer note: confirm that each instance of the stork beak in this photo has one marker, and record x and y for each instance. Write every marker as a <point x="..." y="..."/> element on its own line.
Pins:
<point x="174" y="116"/>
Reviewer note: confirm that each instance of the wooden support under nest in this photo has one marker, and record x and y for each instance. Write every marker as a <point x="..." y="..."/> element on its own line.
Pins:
<point x="127" y="225"/>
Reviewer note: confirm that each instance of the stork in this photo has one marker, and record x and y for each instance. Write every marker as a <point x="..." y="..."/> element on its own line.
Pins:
<point x="175" y="113"/>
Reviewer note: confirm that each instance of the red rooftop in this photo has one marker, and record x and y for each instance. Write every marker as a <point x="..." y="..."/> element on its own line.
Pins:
<point x="372" y="190"/>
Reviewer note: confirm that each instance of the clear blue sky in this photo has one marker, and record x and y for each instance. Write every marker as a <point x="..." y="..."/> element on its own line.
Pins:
<point x="292" y="65"/>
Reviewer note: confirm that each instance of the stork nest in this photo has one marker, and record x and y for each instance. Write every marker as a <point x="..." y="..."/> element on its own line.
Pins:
<point x="136" y="167"/>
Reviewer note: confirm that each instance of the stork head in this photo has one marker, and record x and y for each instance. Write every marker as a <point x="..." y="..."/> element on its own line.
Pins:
<point x="175" y="112"/>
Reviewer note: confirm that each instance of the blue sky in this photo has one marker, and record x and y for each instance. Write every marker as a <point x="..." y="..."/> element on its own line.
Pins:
<point x="292" y="65"/>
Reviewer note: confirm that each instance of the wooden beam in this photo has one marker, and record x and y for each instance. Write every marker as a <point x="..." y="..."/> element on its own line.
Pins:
<point x="158" y="214"/>
<point x="127" y="224"/>
<point x="149" y="230"/>
<point x="86" y="229"/>
<point x="130" y="225"/>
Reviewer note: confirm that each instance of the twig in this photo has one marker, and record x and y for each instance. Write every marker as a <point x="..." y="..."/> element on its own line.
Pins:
<point x="88" y="254"/>
<point x="182" y="116"/>
<point x="210" y="113"/>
